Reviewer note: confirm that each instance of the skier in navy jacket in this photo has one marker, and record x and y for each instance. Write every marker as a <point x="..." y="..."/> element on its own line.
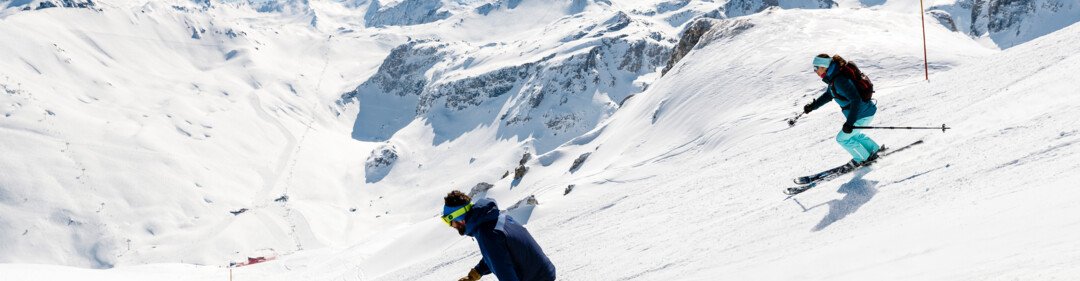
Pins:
<point x="507" y="248"/>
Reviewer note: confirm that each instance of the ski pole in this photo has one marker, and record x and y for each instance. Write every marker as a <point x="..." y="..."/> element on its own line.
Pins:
<point x="943" y="128"/>
<point x="791" y="121"/>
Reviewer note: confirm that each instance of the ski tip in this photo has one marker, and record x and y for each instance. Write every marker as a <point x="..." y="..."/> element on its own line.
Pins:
<point x="792" y="191"/>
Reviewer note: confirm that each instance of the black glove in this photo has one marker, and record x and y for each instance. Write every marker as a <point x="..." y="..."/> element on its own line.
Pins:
<point x="806" y="109"/>
<point x="848" y="127"/>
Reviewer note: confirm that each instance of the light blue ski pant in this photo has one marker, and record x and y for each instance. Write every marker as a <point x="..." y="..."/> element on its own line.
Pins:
<point x="856" y="143"/>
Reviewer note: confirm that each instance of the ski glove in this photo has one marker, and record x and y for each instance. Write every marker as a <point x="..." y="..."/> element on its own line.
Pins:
<point x="848" y="128"/>
<point x="473" y="276"/>
<point x="806" y="109"/>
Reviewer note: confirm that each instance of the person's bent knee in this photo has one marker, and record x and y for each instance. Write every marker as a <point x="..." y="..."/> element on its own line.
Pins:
<point x="843" y="138"/>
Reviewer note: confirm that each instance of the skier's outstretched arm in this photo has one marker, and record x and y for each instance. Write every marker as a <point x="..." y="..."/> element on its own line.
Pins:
<point x="482" y="267"/>
<point x="818" y="102"/>
<point x="473" y="276"/>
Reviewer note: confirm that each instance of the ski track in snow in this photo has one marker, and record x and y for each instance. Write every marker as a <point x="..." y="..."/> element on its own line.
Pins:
<point x="271" y="177"/>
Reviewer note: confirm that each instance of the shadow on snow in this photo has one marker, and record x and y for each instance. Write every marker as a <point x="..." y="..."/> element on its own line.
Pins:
<point x="857" y="192"/>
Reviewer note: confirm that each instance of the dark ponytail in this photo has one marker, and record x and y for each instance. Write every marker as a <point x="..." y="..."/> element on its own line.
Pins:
<point x="836" y="58"/>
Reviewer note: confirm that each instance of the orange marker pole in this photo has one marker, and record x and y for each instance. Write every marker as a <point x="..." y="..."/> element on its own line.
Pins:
<point x="926" y="64"/>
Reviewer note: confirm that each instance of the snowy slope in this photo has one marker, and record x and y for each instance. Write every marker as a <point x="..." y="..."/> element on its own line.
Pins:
<point x="682" y="182"/>
<point x="132" y="131"/>
<point x="174" y="131"/>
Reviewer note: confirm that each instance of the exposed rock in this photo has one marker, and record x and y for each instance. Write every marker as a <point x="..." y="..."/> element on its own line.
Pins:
<point x="45" y="4"/>
<point x="618" y="22"/>
<point x="480" y="189"/>
<point x="402" y="72"/>
<point x="520" y="172"/>
<point x="1007" y="22"/>
<point x="398" y="85"/>
<point x="550" y="99"/>
<point x="527" y="201"/>
<point x="238" y="212"/>
<point x="736" y="8"/>
<point x="705" y="30"/>
<point x="672" y="5"/>
<point x="408" y="12"/>
<point x="569" y="188"/>
<point x="486" y="8"/>
<point x="489" y="7"/>
<point x="380" y="162"/>
<point x="522" y="210"/>
<point x="580" y="160"/>
<point x="690" y="37"/>
<point x="1003" y="14"/>
<point x="280" y="6"/>
<point x="525" y="158"/>
<point x="944" y="19"/>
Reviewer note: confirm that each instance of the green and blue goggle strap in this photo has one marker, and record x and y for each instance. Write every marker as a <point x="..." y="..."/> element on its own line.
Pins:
<point x="455" y="215"/>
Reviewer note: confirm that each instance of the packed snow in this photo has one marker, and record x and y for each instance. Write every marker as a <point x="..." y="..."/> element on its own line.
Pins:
<point x="164" y="140"/>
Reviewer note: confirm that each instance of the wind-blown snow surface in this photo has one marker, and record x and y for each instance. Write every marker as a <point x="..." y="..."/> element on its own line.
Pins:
<point x="683" y="181"/>
<point x="206" y="132"/>
<point x="131" y="132"/>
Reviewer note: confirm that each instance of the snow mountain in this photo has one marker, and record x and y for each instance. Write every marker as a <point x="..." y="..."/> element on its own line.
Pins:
<point x="684" y="181"/>
<point x="637" y="140"/>
<point x="549" y="83"/>
<point x="1007" y="23"/>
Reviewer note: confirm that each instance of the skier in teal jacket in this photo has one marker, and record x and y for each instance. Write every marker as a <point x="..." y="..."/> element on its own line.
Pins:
<point x="857" y="112"/>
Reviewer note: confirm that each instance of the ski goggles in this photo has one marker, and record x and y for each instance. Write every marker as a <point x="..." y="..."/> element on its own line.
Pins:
<point x="455" y="215"/>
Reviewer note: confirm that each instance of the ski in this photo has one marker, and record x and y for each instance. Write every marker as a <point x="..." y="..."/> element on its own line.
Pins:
<point x="791" y="191"/>
<point x="824" y="175"/>
<point x="810" y="181"/>
<point x="827" y="175"/>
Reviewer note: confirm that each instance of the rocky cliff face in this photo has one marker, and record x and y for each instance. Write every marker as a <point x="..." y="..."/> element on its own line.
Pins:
<point x="379" y="163"/>
<point x="704" y="28"/>
<point x="735" y="8"/>
<point x="590" y="67"/>
<point x="408" y="12"/>
<point x="1007" y="22"/>
<point x="45" y="4"/>
<point x="552" y="98"/>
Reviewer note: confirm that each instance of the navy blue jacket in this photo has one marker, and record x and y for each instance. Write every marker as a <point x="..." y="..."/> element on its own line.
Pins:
<point x="843" y="91"/>
<point x="508" y="249"/>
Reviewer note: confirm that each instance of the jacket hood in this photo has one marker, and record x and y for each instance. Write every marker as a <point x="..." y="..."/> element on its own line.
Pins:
<point x="831" y="73"/>
<point x="483" y="211"/>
